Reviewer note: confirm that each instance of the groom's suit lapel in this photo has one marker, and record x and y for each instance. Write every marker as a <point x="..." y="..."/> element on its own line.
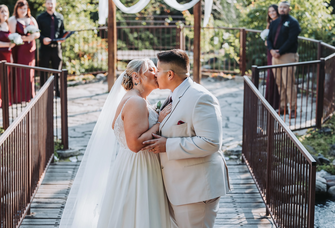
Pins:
<point x="175" y="103"/>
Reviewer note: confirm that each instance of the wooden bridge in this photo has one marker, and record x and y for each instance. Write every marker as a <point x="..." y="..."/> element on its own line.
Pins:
<point x="242" y="207"/>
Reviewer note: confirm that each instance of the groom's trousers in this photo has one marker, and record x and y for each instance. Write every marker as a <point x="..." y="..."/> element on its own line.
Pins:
<point x="197" y="215"/>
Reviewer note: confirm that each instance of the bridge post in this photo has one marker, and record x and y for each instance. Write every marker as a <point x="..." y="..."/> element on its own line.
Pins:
<point x="4" y="94"/>
<point x="320" y="93"/>
<point x="63" y="103"/>
<point x="196" y="44"/>
<point x="112" y="48"/>
<point x="270" y="132"/>
<point x="242" y="62"/>
<point x="255" y="75"/>
<point x="319" y="54"/>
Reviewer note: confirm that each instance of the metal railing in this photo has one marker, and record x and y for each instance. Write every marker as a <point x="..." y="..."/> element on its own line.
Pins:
<point x="26" y="150"/>
<point x="224" y="51"/>
<point x="23" y="84"/>
<point x="301" y="81"/>
<point x="86" y="51"/>
<point x="282" y="168"/>
<point x="328" y="90"/>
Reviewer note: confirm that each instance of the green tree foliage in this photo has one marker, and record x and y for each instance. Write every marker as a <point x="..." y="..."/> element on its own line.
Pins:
<point x="314" y="16"/>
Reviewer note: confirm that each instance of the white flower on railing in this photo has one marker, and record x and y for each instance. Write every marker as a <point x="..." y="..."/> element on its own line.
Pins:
<point x="15" y="38"/>
<point x="287" y="24"/>
<point x="264" y="34"/>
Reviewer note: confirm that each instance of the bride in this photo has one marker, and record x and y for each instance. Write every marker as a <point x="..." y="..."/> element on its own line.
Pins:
<point x="117" y="184"/>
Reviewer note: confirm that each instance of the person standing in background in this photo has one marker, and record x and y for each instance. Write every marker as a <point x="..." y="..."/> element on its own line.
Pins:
<point x="24" y="86"/>
<point x="51" y="24"/>
<point x="283" y="45"/>
<point x="5" y="44"/>
<point x="271" y="92"/>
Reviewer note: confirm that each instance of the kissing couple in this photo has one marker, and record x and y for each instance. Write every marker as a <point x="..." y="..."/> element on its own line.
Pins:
<point x="152" y="169"/>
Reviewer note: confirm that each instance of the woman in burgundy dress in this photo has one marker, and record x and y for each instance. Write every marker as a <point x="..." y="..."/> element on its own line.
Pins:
<point x="5" y="44"/>
<point x="24" y="88"/>
<point x="271" y="93"/>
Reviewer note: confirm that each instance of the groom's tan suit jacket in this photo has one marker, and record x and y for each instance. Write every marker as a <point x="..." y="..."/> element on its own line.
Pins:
<point x="193" y="166"/>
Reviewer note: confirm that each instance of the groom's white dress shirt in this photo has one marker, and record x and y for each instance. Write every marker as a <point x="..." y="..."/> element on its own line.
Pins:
<point x="193" y="166"/>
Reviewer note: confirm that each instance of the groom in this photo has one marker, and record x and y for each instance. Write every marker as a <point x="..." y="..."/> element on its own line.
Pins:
<point x="194" y="171"/>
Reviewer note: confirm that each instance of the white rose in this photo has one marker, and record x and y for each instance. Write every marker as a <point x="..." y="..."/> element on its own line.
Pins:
<point x="17" y="40"/>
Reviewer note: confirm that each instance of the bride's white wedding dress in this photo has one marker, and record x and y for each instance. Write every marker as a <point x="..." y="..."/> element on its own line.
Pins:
<point x="115" y="187"/>
<point x="134" y="196"/>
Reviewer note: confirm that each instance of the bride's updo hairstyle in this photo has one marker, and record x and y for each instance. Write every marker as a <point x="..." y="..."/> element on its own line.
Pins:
<point x="140" y="66"/>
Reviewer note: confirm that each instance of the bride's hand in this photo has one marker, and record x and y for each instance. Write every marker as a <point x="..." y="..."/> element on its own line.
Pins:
<point x="164" y="112"/>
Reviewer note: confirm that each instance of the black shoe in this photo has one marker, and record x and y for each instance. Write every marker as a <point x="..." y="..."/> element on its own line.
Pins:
<point x="281" y="111"/>
<point x="293" y="114"/>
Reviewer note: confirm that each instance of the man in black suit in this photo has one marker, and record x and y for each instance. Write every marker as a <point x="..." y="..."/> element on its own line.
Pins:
<point x="283" y="45"/>
<point x="51" y="25"/>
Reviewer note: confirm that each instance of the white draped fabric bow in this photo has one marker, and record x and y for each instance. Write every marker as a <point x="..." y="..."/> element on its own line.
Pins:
<point x="103" y="8"/>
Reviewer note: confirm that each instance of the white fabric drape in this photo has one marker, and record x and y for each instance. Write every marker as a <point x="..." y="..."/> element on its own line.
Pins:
<point x="84" y="202"/>
<point x="103" y="8"/>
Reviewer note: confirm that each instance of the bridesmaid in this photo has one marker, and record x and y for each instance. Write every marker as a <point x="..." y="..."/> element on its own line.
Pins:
<point x="5" y="44"/>
<point x="271" y="93"/>
<point x="24" y="54"/>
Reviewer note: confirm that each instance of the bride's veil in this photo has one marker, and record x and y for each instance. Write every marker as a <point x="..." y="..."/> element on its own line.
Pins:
<point x="88" y="189"/>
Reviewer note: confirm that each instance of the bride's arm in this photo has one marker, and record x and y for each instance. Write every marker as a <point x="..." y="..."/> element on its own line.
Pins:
<point x="155" y="128"/>
<point x="136" y="123"/>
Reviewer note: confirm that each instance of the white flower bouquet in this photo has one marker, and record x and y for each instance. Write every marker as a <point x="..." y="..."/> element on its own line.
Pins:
<point x="15" y="38"/>
<point x="264" y="34"/>
<point x="31" y="29"/>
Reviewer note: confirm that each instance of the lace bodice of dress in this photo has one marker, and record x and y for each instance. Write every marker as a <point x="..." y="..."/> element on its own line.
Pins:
<point x="119" y="126"/>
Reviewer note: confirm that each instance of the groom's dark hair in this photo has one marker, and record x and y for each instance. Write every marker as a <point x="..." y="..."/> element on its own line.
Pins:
<point x="176" y="57"/>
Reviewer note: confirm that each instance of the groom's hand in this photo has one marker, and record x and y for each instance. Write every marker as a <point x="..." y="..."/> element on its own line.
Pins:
<point x="156" y="145"/>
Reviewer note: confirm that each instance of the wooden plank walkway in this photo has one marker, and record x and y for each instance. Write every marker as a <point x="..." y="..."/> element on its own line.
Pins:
<point x="242" y="207"/>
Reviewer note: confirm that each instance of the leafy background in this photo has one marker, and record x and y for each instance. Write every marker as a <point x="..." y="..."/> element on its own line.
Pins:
<point x="316" y="19"/>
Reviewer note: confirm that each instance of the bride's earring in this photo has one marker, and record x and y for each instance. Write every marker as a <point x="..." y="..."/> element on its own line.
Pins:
<point x="141" y="89"/>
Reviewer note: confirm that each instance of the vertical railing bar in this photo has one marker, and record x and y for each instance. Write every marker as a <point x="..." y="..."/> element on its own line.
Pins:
<point x="286" y="97"/>
<point x="64" y="127"/>
<point x="320" y="93"/>
<point x="290" y="160"/>
<point x="302" y="93"/>
<point x="296" y="98"/>
<point x="312" y="178"/>
<point x="269" y="155"/>
<point x="12" y="91"/>
<point x="4" y="95"/>
<point x="288" y="189"/>
<point x="282" y="196"/>
<point x="255" y="76"/>
<point x="312" y="93"/>
<point x="300" y="189"/>
<point x="25" y="89"/>
<point x="307" y="92"/>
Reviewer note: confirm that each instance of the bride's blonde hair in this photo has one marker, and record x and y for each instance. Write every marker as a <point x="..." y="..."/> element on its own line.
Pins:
<point x="140" y="66"/>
